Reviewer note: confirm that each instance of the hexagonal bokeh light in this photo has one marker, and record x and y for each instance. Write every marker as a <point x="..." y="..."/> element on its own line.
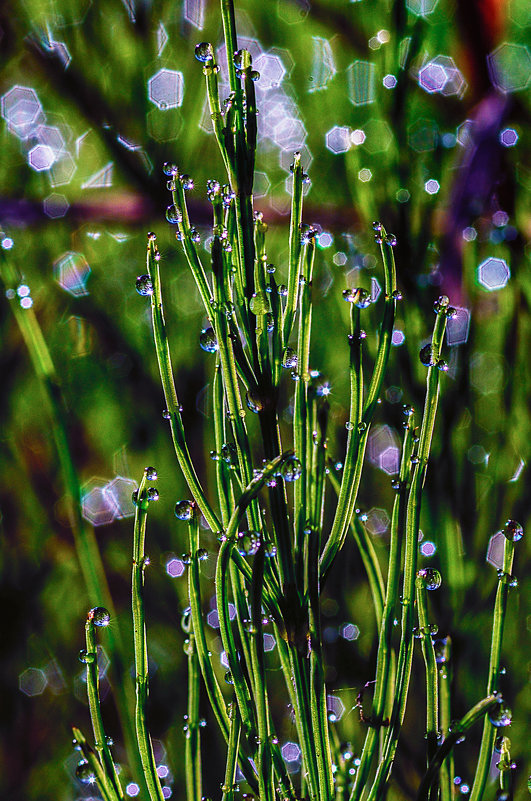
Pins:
<point x="384" y="450"/>
<point x="166" y="89"/>
<point x="119" y="494"/>
<point x="21" y="109"/>
<point x="361" y="82"/>
<point x="493" y="273"/>
<point x="338" y="139"/>
<point x="421" y="8"/>
<point x="32" y="681"/>
<point x="71" y="271"/>
<point x="335" y="707"/>
<point x="495" y="550"/>
<point x="41" y="157"/>
<point x="291" y="752"/>
<point x="510" y="67"/>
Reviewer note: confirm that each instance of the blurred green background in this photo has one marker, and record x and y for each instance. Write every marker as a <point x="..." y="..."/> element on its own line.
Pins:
<point x="413" y="113"/>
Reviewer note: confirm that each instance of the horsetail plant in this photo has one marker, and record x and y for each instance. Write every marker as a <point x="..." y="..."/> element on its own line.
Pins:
<point x="277" y="547"/>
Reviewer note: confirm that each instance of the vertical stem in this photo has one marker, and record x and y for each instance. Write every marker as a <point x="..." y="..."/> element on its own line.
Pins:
<point x="432" y="693"/>
<point x="192" y="748"/>
<point x="141" y="658"/>
<point x="489" y="732"/>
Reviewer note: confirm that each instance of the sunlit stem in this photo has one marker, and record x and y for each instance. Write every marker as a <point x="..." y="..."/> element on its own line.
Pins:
<point x="93" y="693"/>
<point x="489" y="732"/>
<point x="405" y="654"/>
<point x="140" y="645"/>
<point x="192" y="748"/>
<point x="459" y="729"/>
<point x="432" y="688"/>
<point x="162" y="348"/>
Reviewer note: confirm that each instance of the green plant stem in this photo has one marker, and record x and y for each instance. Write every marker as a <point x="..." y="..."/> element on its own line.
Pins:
<point x="489" y="731"/>
<point x="432" y="689"/>
<point x="447" y="768"/>
<point x="162" y="349"/>
<point x="192" y="748"/>
<point x="94" y="763"/>
<point x="113" y="786"/>
<point x="294" y="250"/>
<point x="385" y="619"/>
<point x="85" y="544"/>
<point x="140" y="646"/>
<point x="361" y="413"/>
<point x="232" y="754"/>
<point x="405" y="653"/>
<point x="458" y="730"/>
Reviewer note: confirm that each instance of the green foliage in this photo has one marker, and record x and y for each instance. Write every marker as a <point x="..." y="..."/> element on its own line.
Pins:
<point x="284" y="523"/>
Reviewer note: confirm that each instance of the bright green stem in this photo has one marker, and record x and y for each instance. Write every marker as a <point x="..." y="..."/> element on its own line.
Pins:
<point x="85" y="544"/>
<point x="192" y="748"/>
<point x="294" y="250"/>
<point x="301" y="491"/>
<point x="356" y="442"/>
<point x="225" y="629"/>
<point x="458" y="731"/>
<point x="190" y="250"/>
<point x="140" y="646"/>
<point x="489" y="732"/>
<point x="447" y="768"/>
<point x="405" y="654"/>
<point x="94" y="763"/>
<point x="232" y="754"/>
<point x="162" y="348"/>
<point x="385" y="620"/>
<point x="257" y="667"/>
<point x="93" y="693"/>
<point x="318" y="705"/>
<point x="360" y="413"/>
<point x="432" y="689"/>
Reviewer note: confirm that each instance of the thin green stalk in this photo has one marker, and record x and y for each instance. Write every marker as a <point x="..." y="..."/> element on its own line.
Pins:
<point x="405" y="654"/>
<point x="85" y="544"/>
<point x="294" y="250"/>
<point x="232" y="754"/>
<point x="192" y="747"/>
<point x="113" y="786"/>
<point x="301" y="438"/>
<point x="257" y="667"/>
<point x="361" y="414"/>
<point x="356" y="441"/>
<point x="94" y="764"/>
<point x="459" y="729"/>
<point x="162" y="348"/>
<point x="432" y="689"/>
<point x="318" y="705"/>
<point x="140" y="645"/>
<point x="447" y="768"/>
<point x="385" y="619"/>
<point x="489" y="731"/>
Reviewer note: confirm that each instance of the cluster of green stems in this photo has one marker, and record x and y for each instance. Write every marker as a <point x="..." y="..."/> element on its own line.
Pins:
<point x="258" y="331"/>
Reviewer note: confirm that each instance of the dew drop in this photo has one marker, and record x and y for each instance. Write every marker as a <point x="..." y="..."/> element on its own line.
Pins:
<point x="151" y="474"/>
<point x="390" y="240"/>
<point x="208" y="341"/>
<point x="202" y="554"/>
<point x="248" y="543"/>
<point x="377" y="225"/>
<point x="99" y="616"/>
<point x="254" y="402"/>
<point x="441" y="304"/>
<point x="431" y="578"/>
<point x="204" y="52"/>
<point x="290" y="359"/>
<point x="397" y="295"/>
<point x="229" y="454"/>
<point x="426" y="355"/>
<point x="152" y="494"/>
<point x="166" y="414"/>
<point x="187" y="182"/>
<point x="358" y="296"/>
<point x="513" y="531"/>
<point x="169" y="168"/>
<point x="500" y="716"/>
<point x="228" y="677"/>
<point x="442" y="365"/>
<point x="85" y="773"/>
<point x="85" y="657"/>
<point x="144" y="285"/>
<point x="173" y="214"/>
<point x="291" y="470"/>
<point x="184" y="510"/>
<point x="441" y="650"/>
